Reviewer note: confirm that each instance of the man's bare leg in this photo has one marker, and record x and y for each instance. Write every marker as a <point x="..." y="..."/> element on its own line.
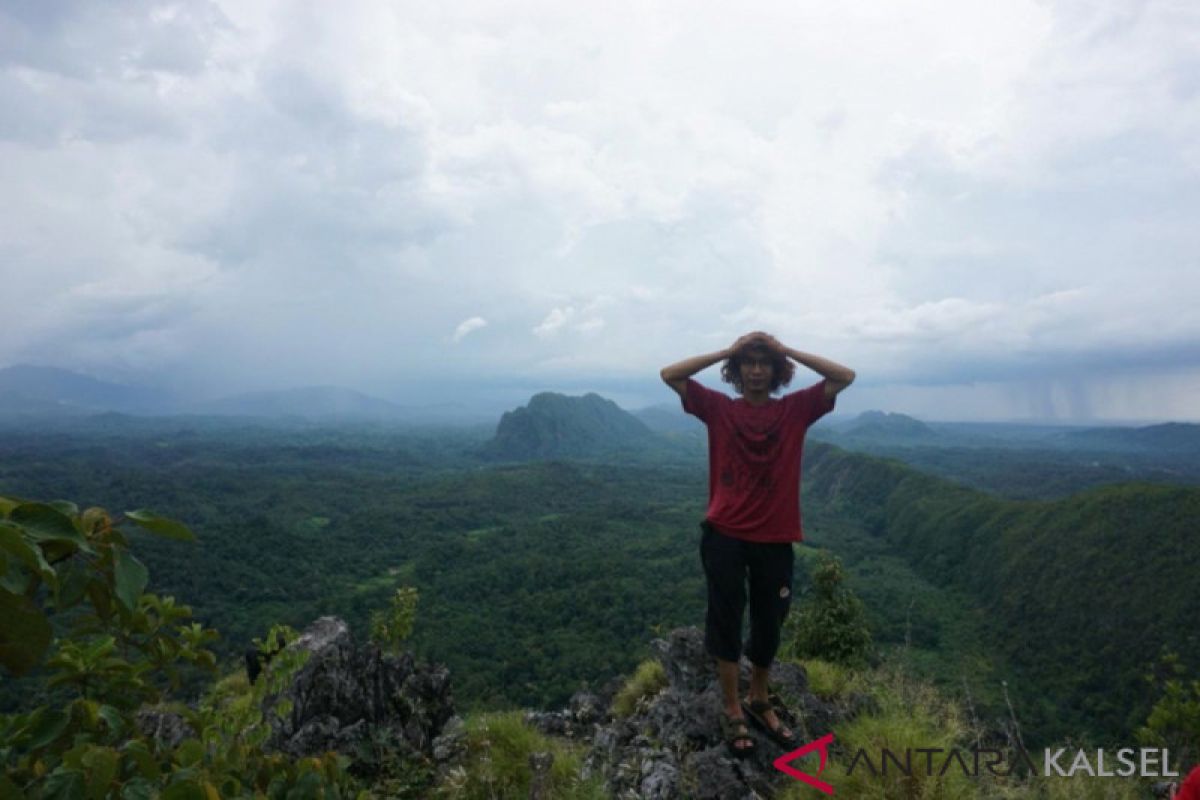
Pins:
<point x="727" y="676"/>
<point x="758" y="691"/>
<point x="727" y="673"/>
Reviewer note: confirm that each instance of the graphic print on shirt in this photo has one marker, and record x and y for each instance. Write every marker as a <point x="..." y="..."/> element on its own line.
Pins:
<point x="749" y="468"/>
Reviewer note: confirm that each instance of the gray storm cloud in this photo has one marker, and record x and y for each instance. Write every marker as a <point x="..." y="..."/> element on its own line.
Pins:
<point x="987" y="211"/>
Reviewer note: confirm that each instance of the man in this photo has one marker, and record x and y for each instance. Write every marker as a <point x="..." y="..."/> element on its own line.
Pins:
<point x="1190" y="790"/>
<point x="754" y="449"/>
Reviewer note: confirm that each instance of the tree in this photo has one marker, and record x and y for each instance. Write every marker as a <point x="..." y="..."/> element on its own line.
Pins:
<point x="831" y="624"/>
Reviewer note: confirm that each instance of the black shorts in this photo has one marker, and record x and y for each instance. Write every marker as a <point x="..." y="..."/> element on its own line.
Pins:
<point x="729" y="564"/>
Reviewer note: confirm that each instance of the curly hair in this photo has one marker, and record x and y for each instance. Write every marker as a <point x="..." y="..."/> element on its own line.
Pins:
<point x="782" y="370"/>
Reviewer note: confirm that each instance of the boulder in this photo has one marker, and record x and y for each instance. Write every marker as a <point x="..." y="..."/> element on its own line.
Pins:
<point x="345" y="693"/>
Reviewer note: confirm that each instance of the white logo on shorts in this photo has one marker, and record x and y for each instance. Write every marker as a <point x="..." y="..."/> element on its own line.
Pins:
<point x="784" y="592"/>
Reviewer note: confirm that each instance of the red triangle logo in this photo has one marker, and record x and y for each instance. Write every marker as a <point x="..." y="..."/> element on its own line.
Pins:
<point x="822" y="745"/>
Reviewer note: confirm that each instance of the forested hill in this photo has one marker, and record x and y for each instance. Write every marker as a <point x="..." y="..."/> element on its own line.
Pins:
<point x="1080" y="594"/>
<point x="554" y="426"/>
<point x="1169" y="437"/>
<point x="888" y="427"/>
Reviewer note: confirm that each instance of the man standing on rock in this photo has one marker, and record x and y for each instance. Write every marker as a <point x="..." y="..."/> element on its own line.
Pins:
<point x="754" y="449"/>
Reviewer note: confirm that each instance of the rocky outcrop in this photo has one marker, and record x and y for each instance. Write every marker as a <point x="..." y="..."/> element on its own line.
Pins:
<point x="556" y="426"/>
<point x="344" y="693"/>
<point x="671" y="746"/>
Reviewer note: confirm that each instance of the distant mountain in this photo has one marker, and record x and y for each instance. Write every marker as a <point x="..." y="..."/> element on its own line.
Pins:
<point x="555" y="425"/>
<point x="891" y="427"/>
<point x="1169" y="437"/>
<point x="668" y="418"/>
<point x="309" y="402"/>
<point x="28" y="389"/>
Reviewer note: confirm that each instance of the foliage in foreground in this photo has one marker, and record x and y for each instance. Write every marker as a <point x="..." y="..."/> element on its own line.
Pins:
<point x="72" y="602"/>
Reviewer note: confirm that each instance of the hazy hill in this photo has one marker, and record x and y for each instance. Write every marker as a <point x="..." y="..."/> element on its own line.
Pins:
<point x="309" y="402"/>
<point x="1168" y="437"/>
<point x="28" y="389"/>
<point x="888" y="426"/>
<point x="668" y="418"/>
<point x="555" y="426"/>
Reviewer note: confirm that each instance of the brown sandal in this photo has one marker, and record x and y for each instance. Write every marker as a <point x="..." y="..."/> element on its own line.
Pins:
<point x="781" y="734"/>
<point x="735" y="731"/>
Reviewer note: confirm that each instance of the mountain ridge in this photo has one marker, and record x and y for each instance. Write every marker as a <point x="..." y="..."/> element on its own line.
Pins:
<point x="553" y="425"/>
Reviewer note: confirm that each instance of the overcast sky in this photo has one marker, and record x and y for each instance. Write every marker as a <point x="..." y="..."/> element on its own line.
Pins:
<point x="989" y="210"/>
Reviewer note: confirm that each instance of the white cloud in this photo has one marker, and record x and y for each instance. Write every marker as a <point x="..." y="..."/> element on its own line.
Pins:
<point x="466" y="326"/>
<point x="554" y="321"/>
<point x="916" y="188"/>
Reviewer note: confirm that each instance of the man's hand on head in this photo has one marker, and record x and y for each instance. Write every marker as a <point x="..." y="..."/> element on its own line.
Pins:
<point x="759" y="337"/>
<point x="774" y="343"/>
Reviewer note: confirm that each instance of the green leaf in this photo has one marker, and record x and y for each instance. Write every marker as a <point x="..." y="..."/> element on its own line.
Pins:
<point x="139" y="789"/>
<point x="45" y="523"/>
<point x="10" y="789"/>
<point x="72" y="587"/>
<point x="7" y="504"/>
<point x="112" y="718"/>
<point x="66" y="507"/>
<point x="189" y="752"/>
<point x="15" y="578"/>
<point x="161" y="526"/>
<point x="98" y="649"/>
<point x="68" y="784"/>
<point x="12" y="541"/>
<point x="24" y="634"/>
<point x="46" y="728"/>
<point x="147" y="766"/>
<point x="130" y="576"/>
<point x="185" y="790"/>
<point x="101" y="763"/>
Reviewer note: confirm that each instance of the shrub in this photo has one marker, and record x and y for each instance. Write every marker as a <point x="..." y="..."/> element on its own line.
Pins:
<point x="647" y="680"/>
<point x="1174" y="721"/>
<point x="390" y="628"/>
<point x="828" y="680"/>
<point x="831" y="623"/>
<point x="499" y="747"/>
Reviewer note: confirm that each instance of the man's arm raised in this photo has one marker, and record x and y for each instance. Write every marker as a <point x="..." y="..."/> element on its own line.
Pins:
<point x="676" y="375"/>
<point x="837" y="377"/>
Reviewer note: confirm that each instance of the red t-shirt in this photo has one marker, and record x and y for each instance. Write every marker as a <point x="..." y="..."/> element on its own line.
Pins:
<point x="1190" y="790"/>
<point x="754" y="459"/>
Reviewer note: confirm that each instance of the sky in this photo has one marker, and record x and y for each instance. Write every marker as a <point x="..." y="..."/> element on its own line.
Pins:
<point x="988" y="210"/>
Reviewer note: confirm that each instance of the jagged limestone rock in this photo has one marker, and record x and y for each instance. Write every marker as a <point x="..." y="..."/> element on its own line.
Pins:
<point x="168" y="728"/>
<point x="343" y="693"/>
<point x="671" y="746"/>
<point x="585" y="711"/>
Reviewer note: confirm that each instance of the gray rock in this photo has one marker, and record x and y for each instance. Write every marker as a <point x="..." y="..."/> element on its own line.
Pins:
<point x="165" y="727"/>
<point x="671" y="747"/>
<point x="344" y="693"/>
<point x="585" y="710"/>
<point x="684" y="659"/>
<point x="539" y="783"/>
